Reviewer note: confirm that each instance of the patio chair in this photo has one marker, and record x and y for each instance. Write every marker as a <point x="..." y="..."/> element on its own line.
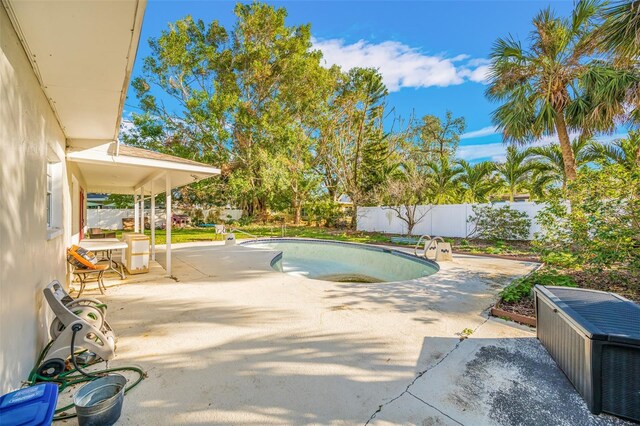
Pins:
<point x="84" y="266"/>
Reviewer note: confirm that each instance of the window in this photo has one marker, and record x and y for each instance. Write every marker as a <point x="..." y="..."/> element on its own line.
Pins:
<point x="53" y="201"/>
<point x="49" y="195"/>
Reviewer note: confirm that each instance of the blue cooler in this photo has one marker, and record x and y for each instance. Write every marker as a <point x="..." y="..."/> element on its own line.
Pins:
<point x="34" y="405"/>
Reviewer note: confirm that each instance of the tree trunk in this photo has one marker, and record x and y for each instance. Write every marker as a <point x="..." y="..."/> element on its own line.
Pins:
<point x="354" y="218"/>
<point x="297" y="207"/>
<point x="332" y="193"/>
<point x="411" y="218"/>
<point x="565" y="147"/>
<point x="410" y="225"/>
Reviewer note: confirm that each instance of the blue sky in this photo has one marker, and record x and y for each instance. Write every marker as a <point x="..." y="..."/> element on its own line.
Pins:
<point x="432" y="54"/>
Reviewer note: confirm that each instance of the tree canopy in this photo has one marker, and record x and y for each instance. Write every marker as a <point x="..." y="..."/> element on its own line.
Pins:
<point x="294" y="135"/>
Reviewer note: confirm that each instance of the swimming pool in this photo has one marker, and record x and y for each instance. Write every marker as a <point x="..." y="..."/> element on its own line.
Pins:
<point x="343" y="262"/>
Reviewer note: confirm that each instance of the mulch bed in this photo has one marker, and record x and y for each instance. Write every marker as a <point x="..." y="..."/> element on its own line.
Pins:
<point x="511" y="250"/>
<point x="622" y="283"/>
<point x="506" y="256"/>
<point x="523" y="307"/>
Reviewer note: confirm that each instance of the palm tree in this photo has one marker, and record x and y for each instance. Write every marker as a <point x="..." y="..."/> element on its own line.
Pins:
<point x="476" y="181"/>
<point x="620" y="34"/>
<point x="443" y="187"/>
<point x="555" y="86"/>
<point x="625" y="152"/>
<point x="516" y="170"/>
<point x="621" y="28"/>
<point x="549" y="164"/>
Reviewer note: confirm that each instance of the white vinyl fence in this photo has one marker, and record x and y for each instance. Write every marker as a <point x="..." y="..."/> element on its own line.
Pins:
<point x="447" y="220"/>
<point x="112" y="218"/>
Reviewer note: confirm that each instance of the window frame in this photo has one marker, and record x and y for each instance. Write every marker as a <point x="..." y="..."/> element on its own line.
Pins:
<point x="53" y="196"/>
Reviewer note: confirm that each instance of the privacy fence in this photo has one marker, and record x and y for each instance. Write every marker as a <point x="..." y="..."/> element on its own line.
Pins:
<point x="450" y="220"/>
<point x="112" y="218"/>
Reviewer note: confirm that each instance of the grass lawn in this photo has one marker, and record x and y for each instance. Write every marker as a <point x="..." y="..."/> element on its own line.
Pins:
<point x="184" y="235"/>
<point x="503" y="248"/>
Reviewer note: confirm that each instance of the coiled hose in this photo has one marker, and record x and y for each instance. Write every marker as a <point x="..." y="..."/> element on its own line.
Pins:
<point x="76" y="376"/>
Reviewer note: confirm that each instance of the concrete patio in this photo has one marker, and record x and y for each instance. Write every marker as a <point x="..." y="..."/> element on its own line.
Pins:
<point x="230" y="341"/>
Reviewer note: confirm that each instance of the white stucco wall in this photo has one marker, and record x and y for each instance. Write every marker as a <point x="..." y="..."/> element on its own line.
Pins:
<point x="29" y="135"/>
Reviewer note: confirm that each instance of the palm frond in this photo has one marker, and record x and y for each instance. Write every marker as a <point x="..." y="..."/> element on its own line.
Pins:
<point x="621" y="28"/>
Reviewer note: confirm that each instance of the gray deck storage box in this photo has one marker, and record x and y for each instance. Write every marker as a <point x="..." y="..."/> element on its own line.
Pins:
<point x="594" y="337"/>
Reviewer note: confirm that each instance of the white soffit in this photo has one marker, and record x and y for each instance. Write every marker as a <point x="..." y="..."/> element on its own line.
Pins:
<point x="105" y="171"/>
<point x="124" y="178"/>
<point x="82" y="52"/>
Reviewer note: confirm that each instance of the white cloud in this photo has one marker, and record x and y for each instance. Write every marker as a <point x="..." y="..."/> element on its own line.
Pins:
<point x="485" y="131"/>
<point x="126" y="125"/>
<point x="496" y="151"/>
<point x="481" y="151"/>
<point x="478" y="75"/>
<point x="477" y="70"/>
<point x="402" y="65"/>
<point x="611" y="138"/>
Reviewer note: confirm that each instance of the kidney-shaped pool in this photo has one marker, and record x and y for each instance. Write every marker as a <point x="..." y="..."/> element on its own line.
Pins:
<point x="343" y="262"/>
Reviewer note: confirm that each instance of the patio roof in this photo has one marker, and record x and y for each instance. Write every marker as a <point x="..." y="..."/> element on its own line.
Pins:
<point x="120" y="169"/>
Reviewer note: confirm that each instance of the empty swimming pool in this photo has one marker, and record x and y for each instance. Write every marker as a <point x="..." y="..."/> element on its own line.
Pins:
<point x="343" y="262"/>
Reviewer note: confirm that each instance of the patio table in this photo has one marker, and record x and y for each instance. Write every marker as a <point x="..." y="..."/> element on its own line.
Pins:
<point x="107" y="245"/>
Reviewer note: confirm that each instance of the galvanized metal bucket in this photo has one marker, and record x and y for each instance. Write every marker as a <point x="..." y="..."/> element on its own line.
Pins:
<point x="100" y="402"/>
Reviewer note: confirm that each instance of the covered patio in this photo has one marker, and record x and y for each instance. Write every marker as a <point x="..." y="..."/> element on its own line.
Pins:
<point x="115" y="168"/>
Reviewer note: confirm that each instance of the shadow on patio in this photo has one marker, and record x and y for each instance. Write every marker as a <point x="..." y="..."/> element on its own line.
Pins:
<point x="212" y="363"/>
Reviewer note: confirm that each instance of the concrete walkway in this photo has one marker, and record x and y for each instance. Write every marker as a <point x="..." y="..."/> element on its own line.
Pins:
<point x="231" y="341"/>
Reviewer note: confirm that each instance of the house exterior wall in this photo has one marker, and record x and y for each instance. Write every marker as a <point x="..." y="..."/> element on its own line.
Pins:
<point x="31" y="256"/>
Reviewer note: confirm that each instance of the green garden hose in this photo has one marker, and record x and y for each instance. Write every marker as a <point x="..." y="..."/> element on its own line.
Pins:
<point x="74" y="377"/>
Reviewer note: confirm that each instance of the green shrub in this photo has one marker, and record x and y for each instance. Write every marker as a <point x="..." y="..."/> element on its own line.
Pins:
<point x="323" y="211"/>
<point x="503" y="223"/>
<point x="515" y="291"/>
<point x="197" y="216"/>
<point x="600" y="225"/>
<point x="246" y="220"/>
<point x="560" y="259"/>
<point x="521" y="288"/>
<point x="213" y="216"/>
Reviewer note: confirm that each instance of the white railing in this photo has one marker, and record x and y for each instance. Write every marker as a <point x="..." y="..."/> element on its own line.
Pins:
<point x="236" y="230"/>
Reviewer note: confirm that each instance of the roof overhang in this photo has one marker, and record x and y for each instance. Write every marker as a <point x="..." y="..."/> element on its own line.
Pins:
<point x="106" y="170"/>
<point x="82" y="52"/>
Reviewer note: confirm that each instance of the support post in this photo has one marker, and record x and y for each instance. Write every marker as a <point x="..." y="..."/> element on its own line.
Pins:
<point x="169" y="224"/>
<point x="152" y="222"/>
<point x="136" y="211"/>
<point x="142" y="209"/>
